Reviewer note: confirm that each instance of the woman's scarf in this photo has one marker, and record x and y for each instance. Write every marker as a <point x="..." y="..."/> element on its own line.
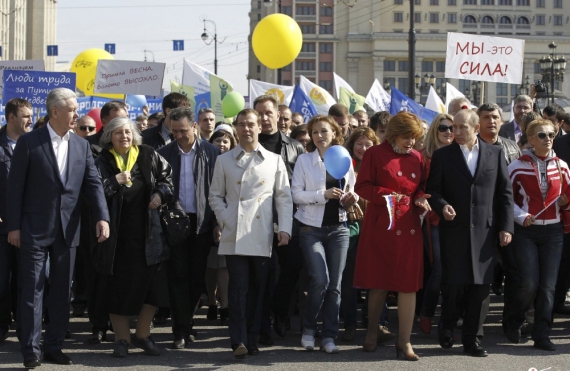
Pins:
<point x="132" y="155"/>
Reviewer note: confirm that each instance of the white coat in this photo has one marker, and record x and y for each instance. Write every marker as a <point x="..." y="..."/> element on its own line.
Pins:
<point x="242" y="195"/>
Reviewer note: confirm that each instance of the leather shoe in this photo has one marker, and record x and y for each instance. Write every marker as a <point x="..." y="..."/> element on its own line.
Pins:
<point x="561" y="309"/>
<point x="265" y="339"/>
<point x="57" y="357"/>
<point x="212" y="313"/>
<point x="514" y="336"/>
<point x="97" y="337"/>
<point x="146" y="344"/>
<point x="252" y="350"/>
<point x="349" y="334"/>
<point x="446" y="339"/>
<point x="279" y="326"/>
<point x="78" y="312"/>
<point x="526" y="329"/>
<point x="32" y="361"/>
<point x="179" y="343"/>
<point x="121" y="349"/>
<point x="475" y="350"/>
<point x="3" y="334"/>
<point x="497" y="288"/>
<point x="545" y="344"/>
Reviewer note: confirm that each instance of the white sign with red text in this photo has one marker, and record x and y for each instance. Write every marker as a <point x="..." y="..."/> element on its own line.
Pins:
<point x="129" y="77"/>
<point x="484" y="58"/>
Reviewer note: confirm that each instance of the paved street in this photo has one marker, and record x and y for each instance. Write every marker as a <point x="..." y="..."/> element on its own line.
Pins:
<point x="211" y="352"/>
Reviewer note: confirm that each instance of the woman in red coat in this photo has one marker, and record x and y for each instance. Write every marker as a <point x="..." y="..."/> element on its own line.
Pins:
<point x="390" y="251"/>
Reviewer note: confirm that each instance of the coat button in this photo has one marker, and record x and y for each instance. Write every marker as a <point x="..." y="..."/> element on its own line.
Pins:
<point x="257" y="217"/>
<point x="238" y="182"/>
<point x="472" y="186"/>
<point x="262" y="182"/>
<point x="398" y="212"/>
<point x="413" y="232"/>
<point x="398" y="233"/>
<point x="399" y="173"/>
<point x="241" y="199"/>
<point x="472" y="205"/>
<point x="259" y="199"/>
<point x="413" y="175"/>
<point x="472" y="225"/>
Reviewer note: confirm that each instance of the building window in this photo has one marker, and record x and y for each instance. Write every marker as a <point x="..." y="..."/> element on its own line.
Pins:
<point x="469" y="2"/>
<point x="440" y="66"/>
<point x="259" y="16"/>
<point x="502" y="89"/>
<point x="305" y="65"/>
<point x="326" y="11"/>
<point x="523" y="20"/>
<point x="287" y="68"/>
<point x="487" y="2"/>
<point x="305" y="10"/>
<point x="326" y="84"/>
<point x="434" y="18"/>
<point x="537" y="68"/>
<point x="286" y="10"/>
<point x="402" y="66"/>
<point x="325" y="66"/>
<point x="558" y="20"/>
<point x="418" y="2"/>
<point x="505" y="2"/>
<point x="287" y="82"/>
<point x="258" y="68"/>
<point x="451" y="2"/>
<point x="523" y="2"/>
<point x="307" y="28"/>
<point x="558" y="34"/>
<point x="505" y="20"/>
<point x="391" y="81"/>
<point x="469" y="19"/>
<point x="389" y="65"/>
<point x="398" y="17"/>
<point x="308" y="47"/>
<point x="558" y="3"/>
<point x="541" y="34"/>
<point x="540" y="20"/>
<point x="427" y="66"/>
<point x="403" y="85"/>
<point x="487" y="20"/>
<point x="451" y="18"/>
<point x="326" y="29"/>
<point x="418" y="18"/>
<point x="540" y="4"/>
<point x="325" y="48"/>
<point x="259" y="5"/>
<point x="398" y="2"/>
<point x="433" y="2"/>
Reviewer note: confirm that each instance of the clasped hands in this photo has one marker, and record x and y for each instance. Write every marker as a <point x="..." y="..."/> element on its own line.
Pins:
<point x="347" y="199"/>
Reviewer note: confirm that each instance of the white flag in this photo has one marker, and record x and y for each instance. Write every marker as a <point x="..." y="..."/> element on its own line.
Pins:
<point x="512" y="117"/>
<point x="340" y="83"/>
<point x="319" y="96"/>
<point x="434" y="102"/>
<point x="281" y="93"/>
<point x="378" y="99"/>
<point x="196" y="76"/>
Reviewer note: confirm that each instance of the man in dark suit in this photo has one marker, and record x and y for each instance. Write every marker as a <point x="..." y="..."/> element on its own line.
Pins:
<point x="512" y="130"/>
<point x="192" y="161"/>
<point x="471" y="192"/>
<point x="50" y="168"/>
<point x="18" y="122"/>
<point x="160" y="135"/>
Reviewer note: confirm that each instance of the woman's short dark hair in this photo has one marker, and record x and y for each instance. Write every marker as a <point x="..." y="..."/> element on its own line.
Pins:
<point x="299" y="131"/>
<point x="356" y="134"/>
<point x="338" y="139"/>
<point x="225" y="134"/>
<point x="379" y="120"/>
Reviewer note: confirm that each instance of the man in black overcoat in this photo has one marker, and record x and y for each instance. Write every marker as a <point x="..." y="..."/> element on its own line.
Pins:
<point x="471" y="192"/>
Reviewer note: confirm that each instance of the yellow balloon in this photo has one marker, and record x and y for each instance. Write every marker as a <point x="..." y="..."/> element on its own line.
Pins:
<point x="85" y="66"/>
<point x="277" y="40"/>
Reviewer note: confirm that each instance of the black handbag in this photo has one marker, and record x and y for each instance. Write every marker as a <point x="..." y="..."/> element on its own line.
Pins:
<point x="175" y="223"/>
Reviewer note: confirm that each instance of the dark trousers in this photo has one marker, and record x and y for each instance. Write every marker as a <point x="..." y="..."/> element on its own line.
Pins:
<point x="248" y="277"/>
<point x="186" y="275"/>
<point x="348" y="299"/>
<point x="473" y="301"/>
<point x="8" y="279"/>
<point x="563" y="281"/>
<point x="537" y="250"/>
<point x="79" y="287"/>
<point x="31" y="281"/>
<point x="95" y="284"/>
<point x="509" y="268"/>
<point x="290" y="260"/>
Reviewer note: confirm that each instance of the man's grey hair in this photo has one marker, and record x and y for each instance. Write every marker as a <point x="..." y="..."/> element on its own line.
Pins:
<point x="490" y="107"/>
<point x="471" y="117"/>
<point x="57" y="98"/>
<point x="523" y="98"/>
<point x="117" y="123"/>
<point x="456" y="103"/>
<point x="179" y="113"/>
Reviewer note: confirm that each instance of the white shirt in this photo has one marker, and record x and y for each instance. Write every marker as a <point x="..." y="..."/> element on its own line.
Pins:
<point x="60" y="147"/>
<point x="187" y="189"/>
<point x="471" y="156"/>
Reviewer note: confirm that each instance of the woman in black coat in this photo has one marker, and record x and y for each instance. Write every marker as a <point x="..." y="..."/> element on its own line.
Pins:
<point x="132" y="174"/>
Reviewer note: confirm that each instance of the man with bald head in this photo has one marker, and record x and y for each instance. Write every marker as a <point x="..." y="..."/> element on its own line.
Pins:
<point x="85" y="127"/>
<point x="457" y="104"/>
<point x="472" y="194"/>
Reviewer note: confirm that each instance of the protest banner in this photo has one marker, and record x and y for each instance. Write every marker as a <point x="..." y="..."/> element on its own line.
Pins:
<point x="301" y="103"/>
<point x="218" y="90"/>
<point x="129" y="77"/>
<point x="351" y="100"/>
<point x="377" y="98"/>
<point x="34" y="86"/>
<point x="186" y="90"/>
<point x="25" y="65"/>
<point x="321" y="98"/>
<point x="196" y="76"/>
<point x="484" y="58"/>
<point x="281" y="93"/>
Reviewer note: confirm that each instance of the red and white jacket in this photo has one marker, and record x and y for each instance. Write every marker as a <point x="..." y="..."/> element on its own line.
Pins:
<point x="527" y="194"/>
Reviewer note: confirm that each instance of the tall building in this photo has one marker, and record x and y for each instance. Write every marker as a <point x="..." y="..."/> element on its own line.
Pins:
<point x="26" y="28"/>
<point x="363" y="40"/>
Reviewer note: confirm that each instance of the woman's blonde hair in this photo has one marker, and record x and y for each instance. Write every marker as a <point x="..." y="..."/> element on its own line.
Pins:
<point x="432" y="140"/>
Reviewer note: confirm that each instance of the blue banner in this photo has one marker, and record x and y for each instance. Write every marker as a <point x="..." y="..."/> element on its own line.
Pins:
<point x="34" y="86"/>
<point x="202" y="101"/>
<point x="302" y="104"/>
<point x="401" y="102"/>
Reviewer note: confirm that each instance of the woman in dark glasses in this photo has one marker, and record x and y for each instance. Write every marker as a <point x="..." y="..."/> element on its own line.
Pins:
<point x="540" y="191"/>
<point x="439" y="134"/>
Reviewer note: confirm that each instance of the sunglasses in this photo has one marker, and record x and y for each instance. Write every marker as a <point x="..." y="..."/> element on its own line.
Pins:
<point x="444" y="128"/>
<point x="542" y="135"/>
<point x="87" y="128"/>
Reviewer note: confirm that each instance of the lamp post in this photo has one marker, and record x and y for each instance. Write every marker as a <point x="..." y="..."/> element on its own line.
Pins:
<point x="428" y="81"/>
<point x="412" y="54"/>
<point x="387" y="85"/>
<point x="552" y="69"/>
<point x="205" y="37"/>
<point x="442" y="89"/>
<point x="524" y="89"/>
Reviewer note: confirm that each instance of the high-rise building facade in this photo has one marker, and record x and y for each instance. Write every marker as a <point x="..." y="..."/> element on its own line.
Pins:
<point x="363" y="40"/>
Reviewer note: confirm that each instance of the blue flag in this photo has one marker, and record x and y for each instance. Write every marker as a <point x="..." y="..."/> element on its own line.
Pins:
<point x="302" y="104"/>
<point x="401" y="102"/>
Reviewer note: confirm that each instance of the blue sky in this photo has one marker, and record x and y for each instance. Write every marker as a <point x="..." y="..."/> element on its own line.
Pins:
<point x="138" y="25"/>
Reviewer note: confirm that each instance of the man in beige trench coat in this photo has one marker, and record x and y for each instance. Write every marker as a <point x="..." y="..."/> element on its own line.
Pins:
<point x="247" y="182"/>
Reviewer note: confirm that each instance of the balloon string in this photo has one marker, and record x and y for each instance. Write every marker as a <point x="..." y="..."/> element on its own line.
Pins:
<point x="340" y="186"/>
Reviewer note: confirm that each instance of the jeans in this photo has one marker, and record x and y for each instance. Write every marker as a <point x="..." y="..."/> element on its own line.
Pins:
<point x="432" y="288"/>
<point x="537" y="250"/>
<point x="325" y="252"/>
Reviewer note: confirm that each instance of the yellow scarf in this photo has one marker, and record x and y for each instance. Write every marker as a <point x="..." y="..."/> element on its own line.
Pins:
<point x="133" y="154"/>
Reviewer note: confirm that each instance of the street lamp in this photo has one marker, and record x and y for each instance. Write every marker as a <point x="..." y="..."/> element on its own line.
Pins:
<point x="205" y="37"/>
<point x="386" y="85"/>
<point x="524" y="89"/>
<point x="429" y="80"/>
<point x="442" y="89"/>
<point x="552" y="69"/>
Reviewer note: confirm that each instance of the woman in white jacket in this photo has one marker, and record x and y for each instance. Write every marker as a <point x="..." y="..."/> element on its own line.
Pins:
<point x="323" y="235"/>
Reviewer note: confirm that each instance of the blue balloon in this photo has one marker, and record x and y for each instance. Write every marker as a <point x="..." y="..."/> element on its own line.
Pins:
<point x="136" y="100"/>
<point x="337" y="161"/>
